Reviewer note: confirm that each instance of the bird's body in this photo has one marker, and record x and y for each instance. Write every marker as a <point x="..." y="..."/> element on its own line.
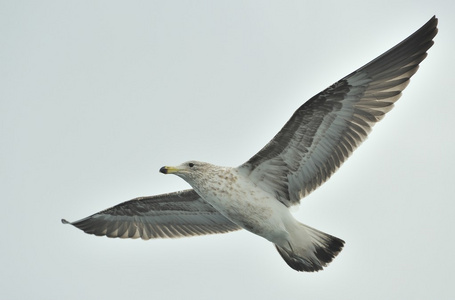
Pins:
<point x="245" y="204"/>
<point x="231" y="192"/>
<point x="256" y="195"/>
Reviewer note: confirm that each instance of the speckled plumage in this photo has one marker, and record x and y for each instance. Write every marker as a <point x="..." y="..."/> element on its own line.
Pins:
<point x="256" y="196"/>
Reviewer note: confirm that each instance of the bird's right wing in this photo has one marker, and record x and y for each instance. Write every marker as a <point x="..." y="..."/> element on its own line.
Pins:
<point x="171" y="215"/>
<point x="326" y="129"/>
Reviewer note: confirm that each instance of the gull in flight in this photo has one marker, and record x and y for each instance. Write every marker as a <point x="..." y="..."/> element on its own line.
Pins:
<point x="257" y="195"/>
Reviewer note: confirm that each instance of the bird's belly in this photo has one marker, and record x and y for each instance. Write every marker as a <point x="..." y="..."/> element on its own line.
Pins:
<point x="255" y="211"/>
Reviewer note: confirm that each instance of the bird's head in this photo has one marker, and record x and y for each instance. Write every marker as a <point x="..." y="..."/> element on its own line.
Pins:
<point x="189" y="170"/>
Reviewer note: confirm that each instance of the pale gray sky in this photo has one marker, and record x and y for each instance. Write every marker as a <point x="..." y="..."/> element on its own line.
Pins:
<point x="98" y="95"/>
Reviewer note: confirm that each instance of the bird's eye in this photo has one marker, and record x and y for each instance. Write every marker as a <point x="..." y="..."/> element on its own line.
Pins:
<point x="191" y="165"/>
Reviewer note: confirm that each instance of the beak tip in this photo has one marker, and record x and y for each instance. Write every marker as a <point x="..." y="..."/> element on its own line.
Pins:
<point x="163" y="170"/>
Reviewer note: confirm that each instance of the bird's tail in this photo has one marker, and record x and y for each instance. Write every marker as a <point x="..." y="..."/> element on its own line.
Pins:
<point x="309" y="249"/>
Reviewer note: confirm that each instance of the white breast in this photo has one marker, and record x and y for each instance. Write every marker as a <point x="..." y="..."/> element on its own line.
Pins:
<point x="245" y="204"/>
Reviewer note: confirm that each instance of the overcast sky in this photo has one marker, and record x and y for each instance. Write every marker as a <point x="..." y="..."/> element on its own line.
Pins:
<point x="96" y="96"/>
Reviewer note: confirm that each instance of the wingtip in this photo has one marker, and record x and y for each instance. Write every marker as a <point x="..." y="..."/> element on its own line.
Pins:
<point x="65" y="221"/>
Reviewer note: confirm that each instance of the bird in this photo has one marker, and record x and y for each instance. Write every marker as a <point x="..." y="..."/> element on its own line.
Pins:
<point x="258" y="194"/>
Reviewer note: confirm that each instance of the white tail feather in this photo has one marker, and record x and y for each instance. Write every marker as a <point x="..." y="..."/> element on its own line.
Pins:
<point x="309" y="249"/>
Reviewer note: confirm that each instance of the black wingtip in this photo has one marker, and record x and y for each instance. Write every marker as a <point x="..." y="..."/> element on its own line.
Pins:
<point x="65" y="221"/>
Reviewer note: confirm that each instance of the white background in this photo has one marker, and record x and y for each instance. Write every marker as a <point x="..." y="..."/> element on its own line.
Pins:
<point x="96" y="96"/>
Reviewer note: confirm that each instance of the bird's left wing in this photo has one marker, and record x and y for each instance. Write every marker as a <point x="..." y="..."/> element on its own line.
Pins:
<point x="326" y="129"/>
<point x="171" y="215"/>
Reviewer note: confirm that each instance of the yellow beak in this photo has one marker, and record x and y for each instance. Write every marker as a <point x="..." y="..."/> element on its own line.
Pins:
<point x="168" y="170"/>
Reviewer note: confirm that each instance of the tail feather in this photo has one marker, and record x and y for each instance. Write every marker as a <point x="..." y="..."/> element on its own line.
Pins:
<point x="323" y="249"/>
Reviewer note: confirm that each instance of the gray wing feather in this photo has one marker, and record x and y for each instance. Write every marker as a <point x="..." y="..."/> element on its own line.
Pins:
<point x="163" y="216"/>
<point x="326" y="129"/>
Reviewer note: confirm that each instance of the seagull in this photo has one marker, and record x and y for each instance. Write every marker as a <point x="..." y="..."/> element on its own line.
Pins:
<point x="258" y="194"/>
